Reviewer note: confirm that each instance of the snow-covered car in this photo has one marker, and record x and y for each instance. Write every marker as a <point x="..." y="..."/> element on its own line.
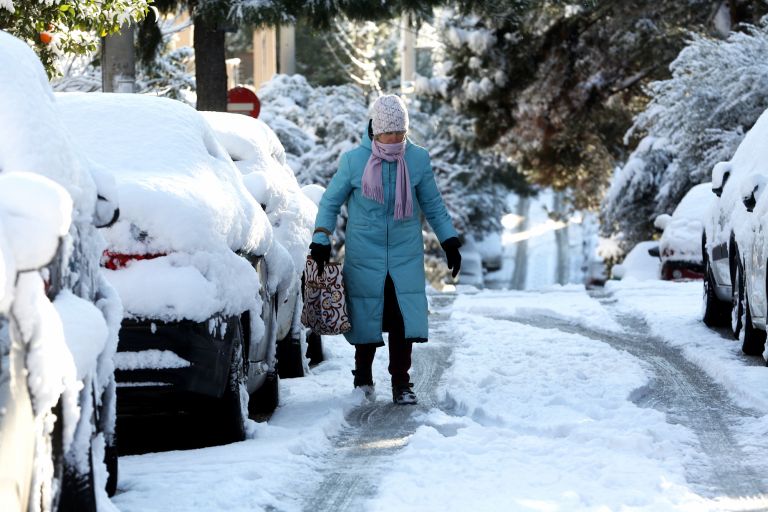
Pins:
<point x="62" y="319"/>
<point x="641" y="263"/>
<point x="189" y="259"/>
<point x="727" y="242"/>
<point x="260" y="156"/>
<point x="680" y="242"/>
<point x="471" y="265"/>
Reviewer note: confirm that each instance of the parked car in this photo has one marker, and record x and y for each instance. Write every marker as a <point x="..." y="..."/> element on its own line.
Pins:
<point x="680" y="242"/>
<point x="641" y="263"/>
<point x="260" y="156"/>
<point x="61" y="317"/>
<point x="727" y="243"/>
<point x="190" y="260"/>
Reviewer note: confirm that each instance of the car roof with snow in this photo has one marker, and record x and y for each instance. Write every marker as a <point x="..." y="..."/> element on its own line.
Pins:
<point x="260" y="156"/>
<point x="178" y="188"/>
<point x="29" y="118"/>
<point x="695" y="203"/>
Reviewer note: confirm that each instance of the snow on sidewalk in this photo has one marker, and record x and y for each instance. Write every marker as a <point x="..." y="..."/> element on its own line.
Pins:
<point x="673" y="313"/>
<point x="542" y="421"/>
<point x="281" y="460"/>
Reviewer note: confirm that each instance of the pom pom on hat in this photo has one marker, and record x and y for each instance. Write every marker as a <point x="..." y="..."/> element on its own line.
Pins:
<point x="389" y="114"/>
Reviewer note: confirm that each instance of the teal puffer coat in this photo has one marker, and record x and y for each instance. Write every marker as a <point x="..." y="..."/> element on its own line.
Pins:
<point x="377" y="244"/>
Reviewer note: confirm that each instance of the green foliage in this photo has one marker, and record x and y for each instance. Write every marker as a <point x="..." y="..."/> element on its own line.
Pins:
<point x="556" y="84"/>
<point x="59" y="27"/>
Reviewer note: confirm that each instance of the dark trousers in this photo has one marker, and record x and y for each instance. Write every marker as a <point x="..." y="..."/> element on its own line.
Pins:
<point x="399" y="348"/>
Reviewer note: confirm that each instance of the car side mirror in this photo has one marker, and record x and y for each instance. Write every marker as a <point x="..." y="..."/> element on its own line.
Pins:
<point x="662" y="221"/>
<point x="654" y="251"/>
<point x="106" y="212"/>
<point x="33" y="234"/>
<point x="751" y="190"/>
<point x="720" y="174"/>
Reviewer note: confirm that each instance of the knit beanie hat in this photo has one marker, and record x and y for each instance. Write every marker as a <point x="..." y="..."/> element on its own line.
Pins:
<point x="389" y="115"/>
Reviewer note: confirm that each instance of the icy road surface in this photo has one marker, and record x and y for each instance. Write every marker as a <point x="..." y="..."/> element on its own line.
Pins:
<point x="556" y="400"/>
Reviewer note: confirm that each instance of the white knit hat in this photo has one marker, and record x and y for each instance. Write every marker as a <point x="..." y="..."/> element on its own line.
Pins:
<point x="389" y="115"/>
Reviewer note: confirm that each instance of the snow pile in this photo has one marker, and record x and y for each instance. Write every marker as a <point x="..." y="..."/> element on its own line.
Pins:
<point x="181" y="199"/>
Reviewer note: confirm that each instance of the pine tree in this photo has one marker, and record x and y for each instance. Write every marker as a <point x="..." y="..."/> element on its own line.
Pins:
<point x="695" y="119"/>
<point x="555" y="84"/>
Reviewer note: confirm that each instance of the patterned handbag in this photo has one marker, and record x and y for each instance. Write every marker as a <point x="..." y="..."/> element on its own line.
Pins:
<point x="325" y="306"/>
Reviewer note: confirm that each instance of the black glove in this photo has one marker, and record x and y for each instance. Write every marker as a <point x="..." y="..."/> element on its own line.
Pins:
<point x="452" y="254"/>
<point x="321" y="253"/>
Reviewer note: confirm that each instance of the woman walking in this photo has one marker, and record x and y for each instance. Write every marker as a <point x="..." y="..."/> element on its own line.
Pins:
<point x="387" y="183"/>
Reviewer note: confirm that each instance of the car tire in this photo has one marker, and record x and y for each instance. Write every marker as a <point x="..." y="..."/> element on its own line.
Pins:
<point x="754" y="338"/>
<point x="737" y="298"/>
<point x="265" y="399"/>
<point x="290" y="361"/>
<point x="314" y="348"/>
<point x="232" y="401"/>
<point x="716" y="313"/>
<point x="78" y="492"/>
<point x="110" y="460"/>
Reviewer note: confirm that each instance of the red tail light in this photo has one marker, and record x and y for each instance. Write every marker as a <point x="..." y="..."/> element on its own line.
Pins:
<point x="116" y="261"/>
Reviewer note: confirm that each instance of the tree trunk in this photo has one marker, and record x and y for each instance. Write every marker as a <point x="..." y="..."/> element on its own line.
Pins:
<point x="210" y="68"/>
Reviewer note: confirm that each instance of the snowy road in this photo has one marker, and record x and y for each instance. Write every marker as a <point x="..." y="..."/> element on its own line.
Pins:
<point x="378" y="429"/>
<point x="555" y="400"/>
<point x="687" y="396"/>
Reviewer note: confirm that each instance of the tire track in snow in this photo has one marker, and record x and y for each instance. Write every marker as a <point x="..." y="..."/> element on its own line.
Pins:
<point x="378" y="430"/>
<point x="687" y="395"/>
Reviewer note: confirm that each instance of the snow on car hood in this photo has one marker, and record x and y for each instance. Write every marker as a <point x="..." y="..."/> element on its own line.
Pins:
<point x="178" y="189"/>
<point x="260" y="156"/>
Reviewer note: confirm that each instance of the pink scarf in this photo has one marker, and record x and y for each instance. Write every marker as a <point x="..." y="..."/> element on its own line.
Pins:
<point x="373" y="186"/>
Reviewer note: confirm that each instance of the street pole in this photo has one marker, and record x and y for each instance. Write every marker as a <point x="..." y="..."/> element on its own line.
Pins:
<point x="287" y="62"/>
<point x="408" y="57"/>
<point x="118" y="61"/>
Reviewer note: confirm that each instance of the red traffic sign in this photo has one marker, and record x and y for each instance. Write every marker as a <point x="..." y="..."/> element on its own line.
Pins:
<point x="241" y="100"/>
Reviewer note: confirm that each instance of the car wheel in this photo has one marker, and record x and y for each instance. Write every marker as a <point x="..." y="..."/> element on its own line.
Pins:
<point x="110" y="460"/>
<point x="290" y="361"/>
<point x="716" y="312"/>
<point x="314" y="348"/>
<point x="78" y="491"/>
<point x="737" y="298"/>
<point x="266" y="399"/>
<point x="233" y="401"/>
<point x="754" y="338"/>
